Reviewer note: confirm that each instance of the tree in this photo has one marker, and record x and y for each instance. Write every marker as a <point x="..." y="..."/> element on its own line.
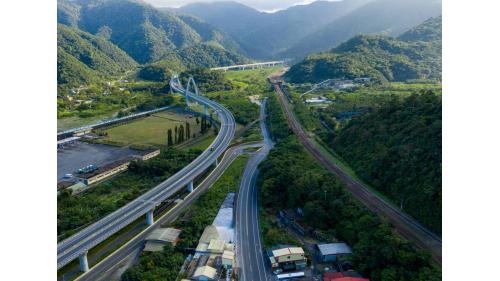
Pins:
<point x="188" y="130"/>
<point x="169" y="137"/>
<point x="176" y="138"/>
<point x="181" y="133"/>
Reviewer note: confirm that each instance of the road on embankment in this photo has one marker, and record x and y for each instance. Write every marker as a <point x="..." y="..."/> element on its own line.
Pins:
<point x="406" y="226"/>
<point x="249" y="251"/>
<point x="108" y="266"/>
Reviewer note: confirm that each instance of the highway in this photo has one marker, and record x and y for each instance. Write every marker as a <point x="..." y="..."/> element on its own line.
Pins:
<point x="104" y="269"/>
<point x="249" y="251"/>
<point x="84" y="240"/>
<point x="406" y="226"/>
<point x="250" y="65"/>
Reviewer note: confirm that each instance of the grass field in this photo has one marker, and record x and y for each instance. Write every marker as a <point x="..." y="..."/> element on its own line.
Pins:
<point x="151" y="130"/>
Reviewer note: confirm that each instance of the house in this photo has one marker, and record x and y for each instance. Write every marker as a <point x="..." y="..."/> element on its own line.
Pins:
<point x="160" y="237"/>
<point x="333" y="251"/>
<point x="287" y="258"/>
<point x="204" y="273"/>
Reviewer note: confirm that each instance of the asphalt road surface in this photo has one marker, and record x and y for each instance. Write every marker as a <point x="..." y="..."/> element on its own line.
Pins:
<point x="249" y="251"/>
<point x="107" y="267"/>
<point x="406" y="226"/>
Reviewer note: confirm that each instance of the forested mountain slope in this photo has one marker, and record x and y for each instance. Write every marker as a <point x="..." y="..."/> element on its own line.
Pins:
<point x="264" y="34"/>
<point x="139" y="29"/>
<point x="383" y="17"/>
<point x="380" y="57"/>
<point x="83" y="57"/>
<point x="397" y="150"/>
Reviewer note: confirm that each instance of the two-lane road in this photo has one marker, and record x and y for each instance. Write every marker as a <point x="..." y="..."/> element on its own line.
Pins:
<point x="249" y="250"/>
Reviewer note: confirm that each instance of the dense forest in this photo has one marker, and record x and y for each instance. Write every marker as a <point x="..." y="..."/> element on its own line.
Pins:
<point x="415" y="55"/>
<point x="144" y="32"/>
<point x="83" y="57"/>
<point x="378" y="252"/>
<point x="397" y="149"/>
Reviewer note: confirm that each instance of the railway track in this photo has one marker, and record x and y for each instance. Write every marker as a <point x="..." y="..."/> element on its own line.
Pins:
<point x="403" y="223"/>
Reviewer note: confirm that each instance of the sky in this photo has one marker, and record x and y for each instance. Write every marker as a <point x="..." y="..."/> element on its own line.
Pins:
<point x="261" y="5"/>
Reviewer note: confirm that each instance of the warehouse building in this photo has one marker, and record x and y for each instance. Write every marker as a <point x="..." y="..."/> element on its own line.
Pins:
<point x="287" y="258"/>
<point x="332" y="252"/>
<point x="160" y="237"/>
<point x="105" y="172"/>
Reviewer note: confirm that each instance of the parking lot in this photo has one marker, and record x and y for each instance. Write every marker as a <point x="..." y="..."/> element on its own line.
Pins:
<point x="80" y="154"/>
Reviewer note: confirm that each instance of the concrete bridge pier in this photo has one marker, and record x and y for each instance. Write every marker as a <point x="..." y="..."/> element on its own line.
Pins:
<point x="149" y="217"/>
<point x="206" y="110"/>
<point x="190" y="187"/>
<point x="187" y="100"/>
<point x="84" y="263"/>
<point x="216" y="162"/>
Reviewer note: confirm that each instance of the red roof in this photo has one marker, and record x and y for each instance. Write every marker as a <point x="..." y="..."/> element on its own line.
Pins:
<point x="339" y="276"/>
<point x="351" y="279"/>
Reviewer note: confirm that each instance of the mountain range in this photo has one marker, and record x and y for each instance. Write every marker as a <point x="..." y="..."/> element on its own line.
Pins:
<point x="319" y="26"/>
<point x="143" y="33"/>
<point x="416" y="54"/>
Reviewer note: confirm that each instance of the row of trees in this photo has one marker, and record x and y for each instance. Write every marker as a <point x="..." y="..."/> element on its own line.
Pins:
<point x="182" y="133"/>
<point x="291" y="178"/>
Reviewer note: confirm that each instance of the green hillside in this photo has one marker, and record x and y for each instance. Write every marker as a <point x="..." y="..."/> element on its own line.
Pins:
<point x="145" y="33"/>
<point x="397" y="150"/>
<point x="83" y="57"/>
<point x="380" y="57"/>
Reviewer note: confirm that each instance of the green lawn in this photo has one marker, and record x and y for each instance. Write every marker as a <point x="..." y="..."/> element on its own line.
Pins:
<point x="151" y="130"/>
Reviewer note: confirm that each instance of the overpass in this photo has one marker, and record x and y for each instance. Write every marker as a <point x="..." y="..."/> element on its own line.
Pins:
<point x="250" y="65"/>
<point x="78" y="245"/>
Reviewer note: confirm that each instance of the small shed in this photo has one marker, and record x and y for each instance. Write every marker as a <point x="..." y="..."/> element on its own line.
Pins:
<point x="333" y="251"/>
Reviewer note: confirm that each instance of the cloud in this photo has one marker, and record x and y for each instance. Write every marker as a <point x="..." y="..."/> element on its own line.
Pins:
<point x="261" y="5"/>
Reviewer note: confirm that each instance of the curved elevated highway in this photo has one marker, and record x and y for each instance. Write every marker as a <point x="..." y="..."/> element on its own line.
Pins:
<point x="79" y="244"/>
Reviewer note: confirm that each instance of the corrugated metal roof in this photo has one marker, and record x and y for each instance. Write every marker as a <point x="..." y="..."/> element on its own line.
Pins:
<point x="205" y="271"/>
<point x="334" y="249"/>
<point x="164" y="234"/>
<point x="153" y="246"/>
<point x="296" y="250"/>
<point x="287" y="251"/>
<point x="216" y="246"/>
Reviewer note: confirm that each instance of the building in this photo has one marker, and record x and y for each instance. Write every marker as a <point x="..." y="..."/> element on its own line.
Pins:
<point x="148" y="154"/>
<point x="228" y="258"/>
<point x="287" y="258"/>
<point x="160" y="237"/>
<point x="204" y="273"/>
<point x="317" y="100"/>
<point x="105" y="172"/>
<point x="332" y="252"/>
